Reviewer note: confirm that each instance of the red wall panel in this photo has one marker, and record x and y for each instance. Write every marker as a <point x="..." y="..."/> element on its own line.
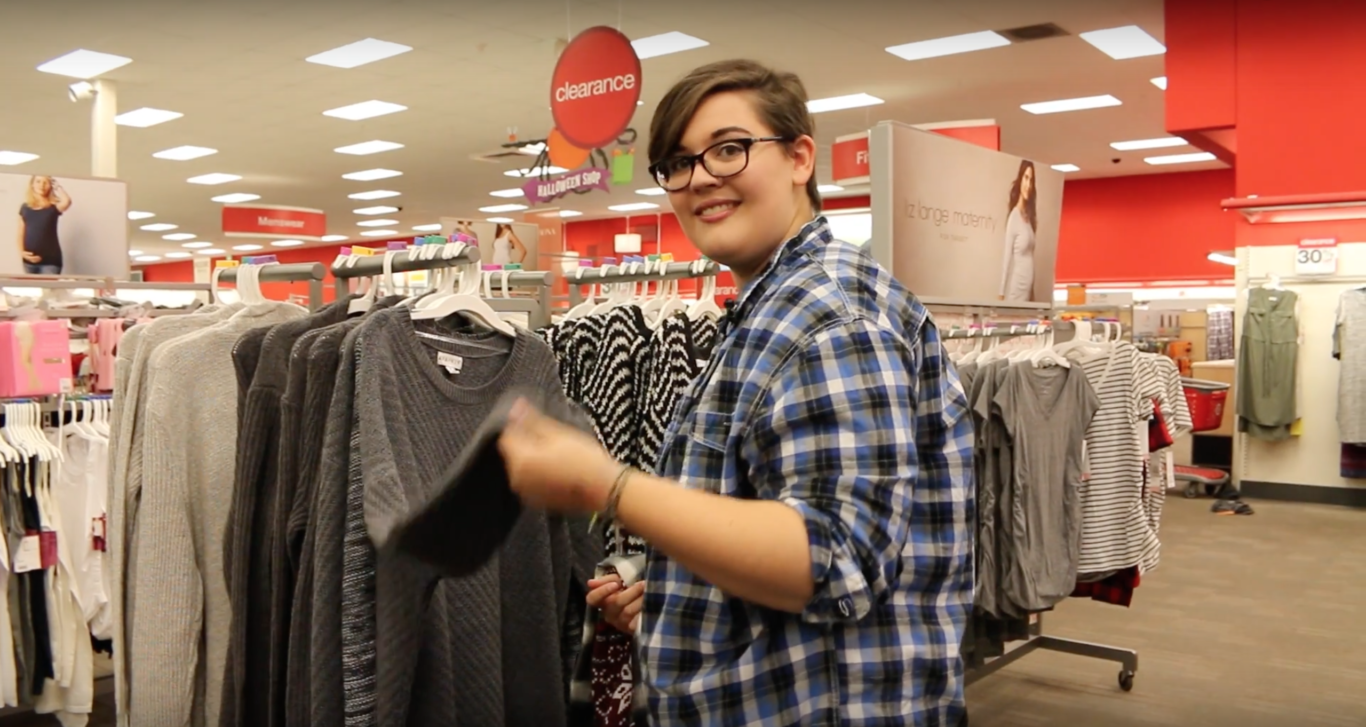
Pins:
<point x="1201" y="60"/>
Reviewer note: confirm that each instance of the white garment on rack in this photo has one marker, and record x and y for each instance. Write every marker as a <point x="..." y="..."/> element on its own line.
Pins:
<point x="1017" y="260"/>
<point x="9" y="671"/>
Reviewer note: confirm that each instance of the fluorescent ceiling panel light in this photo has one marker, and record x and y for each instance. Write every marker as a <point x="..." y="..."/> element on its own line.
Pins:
<point x="534" y="172"/>
<point x="828" y="188"/>
<point x="1071" y="104"/>
<point x="185" y="153"/>
<point x="359" y="53"/>
<point x="11" y="158"/>
<point x="379" y="233"/>
<point x="1181" y="158"/>
<point x="178" y="255"/>
<point x="136" y="215"/>
<point x="503" y="208"/>
<point x="178" y="236"/>
<point x="200" y="245"/>
<point x="434" y="227"/>
<point x="532" y="149"/>
<point x="236" y="197"/>
<point x="840" y="103"/>
<point x="570" y="213"/>
<point x="212" y="251"/>
<point x="1128" y="41"/>
<point x="333" y="238"/>
<point x="1219" y="257"/>
<point x="379" y="210"/>
<point x="159" y="227"/>
<point x="633" y="207"/>
<point x="652" y="191"/>
<point x="508" y="193"/>
<point x="145" y="117"/>
<point x="214" y="178"/>
<point x="369" y="175"/>
<point x="952" y="45"/>
<point x="1066" y="168"/>
<point x="364" y="110"/>
<point x="147" y="258"/>
<point x="84" y="64"/>
<point x="666" y="43"/>
<point x="246" y="248"/>
<point x="500" y="220"/>
<point x="1160" y="82"/>
<point x="134" y="253"/>
<point x="1136" y="144"/>
<point x="287" y="243"/>
<point x="375" y="194"/>
<point x="376" y="223"/>
<point x="368" y="147"/>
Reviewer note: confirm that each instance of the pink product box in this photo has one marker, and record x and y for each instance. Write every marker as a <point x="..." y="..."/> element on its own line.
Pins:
<point x="35" y="358"/>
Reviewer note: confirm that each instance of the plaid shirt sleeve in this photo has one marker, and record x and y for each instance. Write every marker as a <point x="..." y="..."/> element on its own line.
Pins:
<point x="837" y="440"/>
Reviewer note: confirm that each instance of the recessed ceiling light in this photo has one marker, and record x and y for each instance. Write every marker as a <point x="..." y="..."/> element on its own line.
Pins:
<point x="84" y="64"/>
<point x="178" y="236"/>
<point x="185" y="153"/>
<point x="134" y="253"/>
<point x="370" y="175"/>
<point x="159" y="227"/>
<point x="379" y="210"/>
<point x="376" y="223"/>
<point x="11" y="158"/>
<point x="633" y="207"/>
<point x="177" y="255"/>
<point x="434" y="227"/>
<point x="570" y="213"/>
<point x="375" y="194"/>
<point x="666" y="43"/>
<point x="1129" y="41"/>
<point x="214" y="178"/>
<point x="379" y="233"/>
<point x="145" y="117"/>
<point x="358" y="53"/>
<point x="333" y="238"/>
<point x="235" y="197"/>
<point x="147" y="258"/>
<point x="364" y="110"/>
<point x="212" y="251"/>
<point x="534" y="172"/>
<point x="532" y="149"/>
<point x="246" y="248"/>
<point x="652" y="191"/>
<point x="1222" y="257"/>
<point x="829" y="188"/>
<point x="1071" y="104"/>
<point x="839" y="103"/>
<point x="136" y="215"/>
<point x="368" y="147"/>
<point x="494" y="209"/>
<point x="953" y="44"/>
<point x="287" y="243"/>
<point x="1160" y="82"/>
<point x="500" y="220"/>
<point x="1161" y="143"/>
<point x="1066" y="168"/>
<point x="197" y="245"/>
<point x="1181" y="158"/>
<point x="508" y="193"/>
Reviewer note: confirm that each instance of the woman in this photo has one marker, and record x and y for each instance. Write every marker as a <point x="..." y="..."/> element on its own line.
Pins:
<point x="811" y="558"/>
<point x="44" y="202"/>
<point x="507" y="247"/>
<point x="1017" y="262"/>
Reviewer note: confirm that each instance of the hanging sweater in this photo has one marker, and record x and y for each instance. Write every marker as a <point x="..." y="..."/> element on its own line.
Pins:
<point x="180" y="592"/>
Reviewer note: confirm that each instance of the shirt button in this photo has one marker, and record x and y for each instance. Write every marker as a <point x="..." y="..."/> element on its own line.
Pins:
<point x="846" y="606"/>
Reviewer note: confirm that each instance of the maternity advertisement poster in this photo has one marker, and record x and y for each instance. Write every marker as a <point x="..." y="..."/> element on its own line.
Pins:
<point x="500" y="243"/>
<point x="961" y="224"/>
<point x="63" y="226"/>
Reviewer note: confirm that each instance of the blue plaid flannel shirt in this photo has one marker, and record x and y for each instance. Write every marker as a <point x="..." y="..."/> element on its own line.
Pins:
<point x="830" y="392"/>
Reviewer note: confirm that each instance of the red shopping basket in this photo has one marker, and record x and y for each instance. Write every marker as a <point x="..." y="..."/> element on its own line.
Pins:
<point x="1206" y="402"/>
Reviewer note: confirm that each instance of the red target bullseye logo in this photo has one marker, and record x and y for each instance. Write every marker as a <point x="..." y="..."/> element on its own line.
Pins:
<point x="596" y="85"/>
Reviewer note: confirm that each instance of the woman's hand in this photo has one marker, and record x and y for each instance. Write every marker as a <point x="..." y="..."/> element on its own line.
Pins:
<point x="619" y="608"/>
<point x="32" y="258"/>
<point x="553" y="466"/>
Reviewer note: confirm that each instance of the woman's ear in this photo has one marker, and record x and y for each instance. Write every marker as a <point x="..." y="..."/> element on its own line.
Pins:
<point x="803" y="152"/>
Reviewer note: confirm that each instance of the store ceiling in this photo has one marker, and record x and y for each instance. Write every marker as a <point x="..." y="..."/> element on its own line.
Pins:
<point x="236" y="72"/>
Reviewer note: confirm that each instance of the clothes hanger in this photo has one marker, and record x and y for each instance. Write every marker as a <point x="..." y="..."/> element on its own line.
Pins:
<point x="586" y="307"/>
<point x="465" y="300"/>
<point x="361" y="305"/>
<point x="215" y="285"/>
<point x="613" y="296"/>
<point x="705" y="305"/>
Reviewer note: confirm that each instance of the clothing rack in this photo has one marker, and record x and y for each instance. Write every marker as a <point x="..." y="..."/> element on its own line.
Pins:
<point x="611" y="274"/>
<point x="311" y="273"/>
<point x="537" y="309"/>
<point x="1126" y="658"/>
<point x="1307" y="280"/>
<point x="400" y="262"/>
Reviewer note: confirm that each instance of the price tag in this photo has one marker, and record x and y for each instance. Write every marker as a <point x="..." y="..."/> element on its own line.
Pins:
<point x="29" y="555"/>
<point x="1317" y="257"/>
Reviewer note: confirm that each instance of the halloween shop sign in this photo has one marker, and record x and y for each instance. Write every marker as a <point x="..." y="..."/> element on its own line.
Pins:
<point x="581" y="180"/>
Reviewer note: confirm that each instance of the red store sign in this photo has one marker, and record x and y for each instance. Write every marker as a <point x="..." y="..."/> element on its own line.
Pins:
<point x="273" y="221"/>
<point x="595" y="87"/>
<point x="849" y="154"/>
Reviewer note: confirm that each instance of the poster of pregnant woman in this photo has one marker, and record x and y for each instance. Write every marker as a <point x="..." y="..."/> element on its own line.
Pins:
<point x="500" y="243"/>
<point x="52" y="226"/>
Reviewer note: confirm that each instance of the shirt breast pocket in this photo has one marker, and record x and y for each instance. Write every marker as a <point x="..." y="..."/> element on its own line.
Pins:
<point x="711" y="429"/>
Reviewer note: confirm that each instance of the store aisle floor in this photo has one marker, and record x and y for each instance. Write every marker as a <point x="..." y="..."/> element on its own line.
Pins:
<point x="1249" y="622"/>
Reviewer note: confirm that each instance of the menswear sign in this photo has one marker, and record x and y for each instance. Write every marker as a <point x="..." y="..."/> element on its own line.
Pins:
<point x="272" y="221"/>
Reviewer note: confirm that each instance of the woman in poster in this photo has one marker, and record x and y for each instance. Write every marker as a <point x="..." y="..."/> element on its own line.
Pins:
<point x="1017" y="262"/>
<point x="507" y="247"/>
<point x="44" y="202"/>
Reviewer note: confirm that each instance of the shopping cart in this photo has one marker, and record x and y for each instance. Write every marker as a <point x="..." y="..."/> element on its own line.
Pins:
<point x="1206" y="400"/>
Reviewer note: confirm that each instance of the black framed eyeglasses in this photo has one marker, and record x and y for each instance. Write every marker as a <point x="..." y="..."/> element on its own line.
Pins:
<point x="722" y="159"/>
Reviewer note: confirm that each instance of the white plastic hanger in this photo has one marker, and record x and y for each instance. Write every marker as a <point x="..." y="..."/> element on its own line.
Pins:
<point x="371" y="285"/>
<point x="215" y="289"/>
<point x="464" y="299"/>
<point x="614" y="295"/>
<point x="586" y="307"/>
<point x="705" y="305"/>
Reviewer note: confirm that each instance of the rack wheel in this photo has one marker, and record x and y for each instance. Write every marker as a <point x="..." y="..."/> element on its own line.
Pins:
<point x="1126" y="681"/>
<point x="1193" y="490"/>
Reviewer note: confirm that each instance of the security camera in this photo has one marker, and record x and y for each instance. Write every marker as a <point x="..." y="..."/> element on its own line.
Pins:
<point x="1115" y="160"/>
<point x="80" y="91"/>
<point x="400" y="208"/>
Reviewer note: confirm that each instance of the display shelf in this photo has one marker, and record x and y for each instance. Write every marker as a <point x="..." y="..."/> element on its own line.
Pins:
<point x="1299" y="207"/>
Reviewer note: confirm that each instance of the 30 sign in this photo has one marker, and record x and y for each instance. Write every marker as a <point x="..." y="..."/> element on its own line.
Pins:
<point x="1317" y="257"/>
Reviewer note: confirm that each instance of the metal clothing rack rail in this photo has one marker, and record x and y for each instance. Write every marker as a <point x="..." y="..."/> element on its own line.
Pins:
<point x="537" y="309"/>
<point x="311" y="273"/>
<point x="404" y="261"/>
<point x="1038" y="640"/>
<point x="627" y="273"/>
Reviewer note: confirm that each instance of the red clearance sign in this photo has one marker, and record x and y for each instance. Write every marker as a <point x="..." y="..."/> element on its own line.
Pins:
<point x="272" y="221"/>
<point x="595" y="87"/>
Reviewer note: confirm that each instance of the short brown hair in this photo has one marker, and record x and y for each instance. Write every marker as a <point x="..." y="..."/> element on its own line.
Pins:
<point x="780" y="98"/>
